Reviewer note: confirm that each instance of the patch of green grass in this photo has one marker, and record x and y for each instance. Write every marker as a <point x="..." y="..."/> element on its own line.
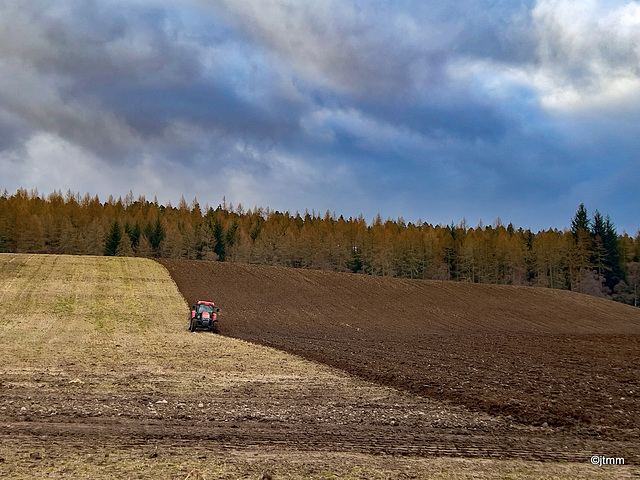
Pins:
<point x="64" y="304"/>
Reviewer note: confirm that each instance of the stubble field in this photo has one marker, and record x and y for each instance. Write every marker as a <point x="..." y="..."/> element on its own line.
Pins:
<point x="99" y="378"/>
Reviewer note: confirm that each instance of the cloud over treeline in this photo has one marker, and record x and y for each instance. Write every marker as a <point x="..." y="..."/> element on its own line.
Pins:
<point x="519" y="109"/>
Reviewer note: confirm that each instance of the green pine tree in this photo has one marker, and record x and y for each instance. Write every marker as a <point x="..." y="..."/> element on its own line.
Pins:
<point x="580" y="220"/>
<point x="614" y="272"/>
<point x="113" y="239"/>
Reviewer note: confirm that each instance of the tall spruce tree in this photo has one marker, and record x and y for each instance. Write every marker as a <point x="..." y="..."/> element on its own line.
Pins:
<point x="597" y="226"/>
<point x="133" y="232"/>
<point x="218" y="240"/>
<point x="113" y="239"/>
<point x="155" y="233"/>
<point x="580" y="220"/>
<point x="581" y="249"/>
<point x="599" y="252"/>
<point x="615" y="272"/>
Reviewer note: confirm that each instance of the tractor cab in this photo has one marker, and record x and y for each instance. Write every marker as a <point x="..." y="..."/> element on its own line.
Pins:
<point x="204" y="315"/>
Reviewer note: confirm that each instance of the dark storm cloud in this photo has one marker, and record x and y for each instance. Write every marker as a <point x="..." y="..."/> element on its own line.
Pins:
<point x="390" y="65"/>
<point x="64" y="53"/>
<point x="383" y="48"/>
<point x="116" y="76"/>
<point x="150" y="111"/>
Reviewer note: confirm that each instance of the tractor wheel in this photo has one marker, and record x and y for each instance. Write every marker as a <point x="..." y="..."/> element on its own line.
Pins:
<point x="214" y="328"/>
<point x="192" y="326"/>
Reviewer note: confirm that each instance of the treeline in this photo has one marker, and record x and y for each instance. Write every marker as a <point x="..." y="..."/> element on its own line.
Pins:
<point x="590" y="258"/>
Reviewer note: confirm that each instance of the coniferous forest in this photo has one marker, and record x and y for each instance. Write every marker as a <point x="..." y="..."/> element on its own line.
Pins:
<point x="590" y="257"/>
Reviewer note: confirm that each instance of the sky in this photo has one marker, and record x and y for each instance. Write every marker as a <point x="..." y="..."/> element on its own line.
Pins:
<point x="423" y="109"/>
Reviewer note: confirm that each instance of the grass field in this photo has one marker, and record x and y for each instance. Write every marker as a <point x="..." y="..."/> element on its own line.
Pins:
<point x="99" y="378"/>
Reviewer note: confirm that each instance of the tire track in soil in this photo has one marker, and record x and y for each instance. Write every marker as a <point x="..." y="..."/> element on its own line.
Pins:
<point x="563" y="368"/>
<point x="247" y="434"/>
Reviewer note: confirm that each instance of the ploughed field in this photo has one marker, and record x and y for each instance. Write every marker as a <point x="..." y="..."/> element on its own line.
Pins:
<point x="100" y="378"/>
<point x="560" y="370"/>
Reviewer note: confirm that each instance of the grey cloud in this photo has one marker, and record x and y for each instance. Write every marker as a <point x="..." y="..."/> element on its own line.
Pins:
<point x="117" y="80"/>
<point x="106" y="42"/>
<point x="380" y="48"/>
<point x="347" y="105"/>
<point x="64" y="56"/>
<point x="118" y="77"/>
<point x="587" y="54"/>
<point x="335" y="43"/>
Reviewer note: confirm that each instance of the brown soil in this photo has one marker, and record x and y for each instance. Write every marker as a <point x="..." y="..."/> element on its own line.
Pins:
<point x="558" y="372"/>
<point x="99" y="377"/>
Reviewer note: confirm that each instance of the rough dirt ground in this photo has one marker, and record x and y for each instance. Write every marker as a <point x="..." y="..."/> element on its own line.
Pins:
<point x="99" y="378"/>
<point x="559" y="372"/>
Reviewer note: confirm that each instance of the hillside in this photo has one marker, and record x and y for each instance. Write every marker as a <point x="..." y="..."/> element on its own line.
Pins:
<point x="542" y="357"/>
<point x="258" y="297"/>
<point x="99" y="378"/>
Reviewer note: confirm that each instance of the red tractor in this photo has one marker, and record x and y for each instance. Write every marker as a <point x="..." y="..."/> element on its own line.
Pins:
<point x="204" y="315"/>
